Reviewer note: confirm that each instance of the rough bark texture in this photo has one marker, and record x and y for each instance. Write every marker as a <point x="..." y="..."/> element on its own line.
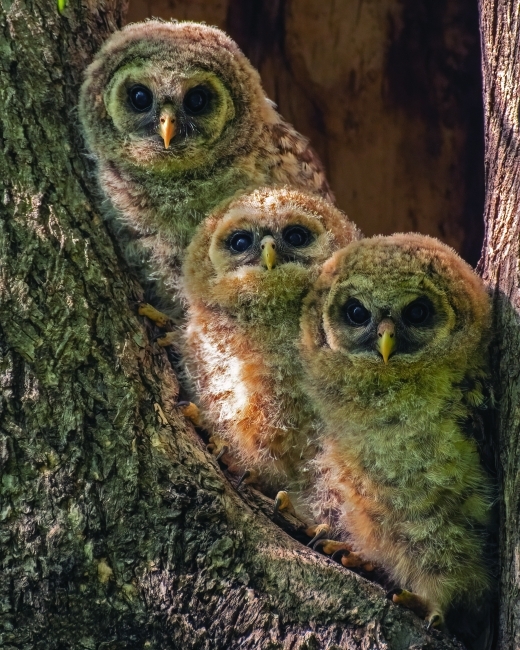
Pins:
<point x="117" y="530"/>
<point x="389" y="92"/>
<point x="500" y="26"/>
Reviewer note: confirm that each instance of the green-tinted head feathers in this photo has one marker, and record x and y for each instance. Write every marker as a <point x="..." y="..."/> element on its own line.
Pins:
<point x="172" y="96"/>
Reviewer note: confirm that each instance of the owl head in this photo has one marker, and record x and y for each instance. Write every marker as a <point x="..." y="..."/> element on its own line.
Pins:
<point x="172" y="96"/>
<point x="391" y="310"/>
<point x="262" y="251"/>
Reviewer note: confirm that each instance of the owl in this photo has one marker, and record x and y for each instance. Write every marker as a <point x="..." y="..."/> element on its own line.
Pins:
<point x="394" y="347"/>
<point x="245" y="275"/>
<point x="177" y="120"/>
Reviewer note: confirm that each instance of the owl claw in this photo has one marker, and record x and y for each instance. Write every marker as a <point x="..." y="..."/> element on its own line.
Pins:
<point x="190" y="411"/>
<point x="330" y="546"/>
<point x="157" y="317"/>
<point x="283" y="502"/>
<point x="168" y="339"/>
<point x="218" y="447"/>
<point x="317" y="532"/>
<point x="247" y="477"/>
<point x="419" y="606"/>
<point x="435" y="620"/>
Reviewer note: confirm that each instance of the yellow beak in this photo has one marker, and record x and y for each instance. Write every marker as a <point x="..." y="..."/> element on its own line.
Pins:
<point x="167" y="125"/>
<point x="386" y="338"/>
<point x="268" y="254"/>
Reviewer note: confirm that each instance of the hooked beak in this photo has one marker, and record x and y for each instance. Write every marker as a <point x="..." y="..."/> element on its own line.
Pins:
<point x="167" y="125"/>
<point x="268" y="254"/>
<point x="386" y="338"/>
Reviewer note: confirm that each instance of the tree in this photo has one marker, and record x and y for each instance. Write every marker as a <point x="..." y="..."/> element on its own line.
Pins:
<point x="500" y="28"/>
<point x="117" y="530"/>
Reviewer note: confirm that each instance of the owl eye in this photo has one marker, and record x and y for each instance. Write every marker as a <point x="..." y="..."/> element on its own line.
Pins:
<point x="240" y="241"/>
<point x="355" y="313"/>
<point x="196" y="100"/>
<point x="296" y="236"/>
<point x="418" y="312"/>
<point x="140" y="97"/>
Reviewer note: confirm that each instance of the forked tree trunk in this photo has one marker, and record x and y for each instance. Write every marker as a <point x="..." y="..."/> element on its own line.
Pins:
<point x="500" y="26"/>
<point x="117" y="530"/>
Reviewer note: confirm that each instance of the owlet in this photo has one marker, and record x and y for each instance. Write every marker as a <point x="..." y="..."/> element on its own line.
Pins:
<point x="394" y="344"/>
<point x="246" y="273"/>
<point x="177" y="120"/>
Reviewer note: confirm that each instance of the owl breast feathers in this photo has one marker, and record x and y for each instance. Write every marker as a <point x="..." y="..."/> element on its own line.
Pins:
<point x="246" y="273"/>
<point x="394" y="346"/>
<point x="178" y="122"/>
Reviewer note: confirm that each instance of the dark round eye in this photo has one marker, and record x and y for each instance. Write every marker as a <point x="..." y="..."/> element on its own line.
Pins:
<point x="355" y="313"/>
<point x="140" y="97"/>
<point x="241" y="241"/>
<point x="296" y="236"/>
<point x="196" y="100"/>
<point x="417" y="312"/>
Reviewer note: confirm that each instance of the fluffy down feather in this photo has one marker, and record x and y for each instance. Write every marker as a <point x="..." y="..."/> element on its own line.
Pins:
<point x="243" y="326"/>
<point x="236" y="142"/>
<point x="399" y="474"/>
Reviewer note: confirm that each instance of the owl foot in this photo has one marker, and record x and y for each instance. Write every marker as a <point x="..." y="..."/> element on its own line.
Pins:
<point x="418" y="605"/>
<point x="157" y="317"/>
<point x="330" y="546"/>
<point x="218" y="447"/>
<point x="317" y="532"/>
<point x="190" y="411"/>
<point x="249" y="476"/>
<point x="352" y="560"/>
<point x="283" y="503"/>
<point x="168" y="339"/>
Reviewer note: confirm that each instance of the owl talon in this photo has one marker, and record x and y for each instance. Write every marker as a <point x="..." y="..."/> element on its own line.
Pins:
<point x="223" y="451"/>
<point x="317" y="532"/>
<point x="408" y="599"/>
<point x="435" y="621"/>
<point x="218" y="447"/>
<point x="352" y="560"/>
<point x="330" y="546"/>
<point x="249" y="476"/>
<point x="167" y="340"/>
<point x="282" y="503"/>
<point x="157" y="317"/>
<point x="190" y="411"/>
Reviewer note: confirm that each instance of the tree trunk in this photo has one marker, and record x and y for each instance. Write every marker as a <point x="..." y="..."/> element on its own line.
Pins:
<point x="117" y="530"/>
<point x="388" y="91"/>
<point x="500" y="28"/>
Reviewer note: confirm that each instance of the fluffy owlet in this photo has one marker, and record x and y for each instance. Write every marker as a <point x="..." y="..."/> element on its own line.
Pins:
<point x="246" y="273"/>
<point x="177" y="120"/>
<point x="394" y="343"/>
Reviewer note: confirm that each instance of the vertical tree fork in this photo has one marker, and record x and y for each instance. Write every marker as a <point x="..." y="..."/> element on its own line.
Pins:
<point x="117" y="530"/>
<point x="500" y="28"/>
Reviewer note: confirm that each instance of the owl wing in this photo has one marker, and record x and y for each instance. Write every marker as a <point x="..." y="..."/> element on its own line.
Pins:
<point x="296" y="163"/>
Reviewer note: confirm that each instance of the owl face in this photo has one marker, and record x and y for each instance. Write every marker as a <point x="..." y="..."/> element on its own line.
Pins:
<point x="265" y="248"/>
<point x="401" y="301"/>
<point x="172" y="96"/>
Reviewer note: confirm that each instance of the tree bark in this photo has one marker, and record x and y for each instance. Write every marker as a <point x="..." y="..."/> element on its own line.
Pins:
<point x="500" y="28"/>
<point x="117" y="530"/>
<point x="389" y="92"/>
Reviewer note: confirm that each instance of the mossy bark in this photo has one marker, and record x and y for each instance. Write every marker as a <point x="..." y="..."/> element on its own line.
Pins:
<point x="500" y="28"/>
<point x="117" y="530"/>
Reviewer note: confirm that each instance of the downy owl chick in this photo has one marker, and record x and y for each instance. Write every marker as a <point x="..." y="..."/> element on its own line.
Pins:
<point x="246" y="273"/>
<point x="177" y="120"/>
<point x="394" y="343"/>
